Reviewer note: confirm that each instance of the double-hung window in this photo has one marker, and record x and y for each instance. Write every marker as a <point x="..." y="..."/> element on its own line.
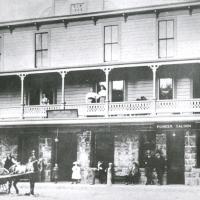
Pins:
<point x="41" y="49"/>
<point x="166" y="38"/>
<point x="111" y="43"/>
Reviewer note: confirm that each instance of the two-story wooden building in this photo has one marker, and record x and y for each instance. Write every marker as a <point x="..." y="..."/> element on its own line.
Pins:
<point x="148" y="58"/>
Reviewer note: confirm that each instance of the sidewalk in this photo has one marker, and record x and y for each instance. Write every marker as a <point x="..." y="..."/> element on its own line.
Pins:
<point x="68" y="191"/>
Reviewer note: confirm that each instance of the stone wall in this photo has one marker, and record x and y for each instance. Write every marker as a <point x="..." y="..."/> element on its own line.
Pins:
<point x="84" y="143"/>
<point x="192" y="174"/>
<point x="161" y="143"/>
<point x="126" y="150"/>
<point x="8" y="144"/>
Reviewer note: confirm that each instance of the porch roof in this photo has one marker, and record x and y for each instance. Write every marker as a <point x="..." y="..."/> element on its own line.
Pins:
<point x="102" y="66"/>
<point x="100" y="122"/>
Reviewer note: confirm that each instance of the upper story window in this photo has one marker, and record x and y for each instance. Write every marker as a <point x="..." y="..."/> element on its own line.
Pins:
<point x="165" y="88"/>
<point x="111" y="43"/>
<point x="166" y="38"/>
<point x="77" y="8"/>
<point x="117" y="91"/>
<point x="41" y="49"/>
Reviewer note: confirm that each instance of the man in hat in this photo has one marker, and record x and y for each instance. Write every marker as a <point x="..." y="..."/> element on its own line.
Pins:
<point x="159" y="166"/>
<point x="33" y="177"/>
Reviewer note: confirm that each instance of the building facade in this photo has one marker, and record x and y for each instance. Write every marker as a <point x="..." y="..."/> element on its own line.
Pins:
<point x="147" y="57"/>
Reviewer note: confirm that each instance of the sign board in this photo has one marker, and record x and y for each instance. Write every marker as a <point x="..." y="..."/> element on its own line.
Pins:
<point x="174" y="126"/>
<point x="69" y="113"/>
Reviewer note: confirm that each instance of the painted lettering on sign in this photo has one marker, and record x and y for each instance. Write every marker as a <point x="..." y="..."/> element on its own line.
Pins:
<point x="169" y="126"/>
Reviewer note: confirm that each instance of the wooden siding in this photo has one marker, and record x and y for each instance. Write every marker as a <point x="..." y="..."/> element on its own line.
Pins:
<point x="117" y="4"/>
<point x="138" y="41"/>
<point x="78" y="44"/>
<point x="183" y="88"/>
<point x="74" y="94"/>
<point x="188" y="36"/>
<point x="10" y="98"/>
<point x="81" y="43"/>
<point x="18" y="50"/>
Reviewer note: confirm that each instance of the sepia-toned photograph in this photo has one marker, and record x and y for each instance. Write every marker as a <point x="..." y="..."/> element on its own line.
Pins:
<point x="100" y="99"/>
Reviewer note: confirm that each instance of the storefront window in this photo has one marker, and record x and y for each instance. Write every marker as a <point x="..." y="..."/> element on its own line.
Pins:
<point x="165" y="88"/>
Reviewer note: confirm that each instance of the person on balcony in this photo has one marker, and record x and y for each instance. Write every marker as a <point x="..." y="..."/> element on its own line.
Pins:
<point x="102" y="94"/>
<point x="45" y="100"/>
<point x="91" y="96"/>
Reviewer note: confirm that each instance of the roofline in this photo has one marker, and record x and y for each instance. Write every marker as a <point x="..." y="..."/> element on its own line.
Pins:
<point x="102" y="66"/>
<point x="98" y="15"/>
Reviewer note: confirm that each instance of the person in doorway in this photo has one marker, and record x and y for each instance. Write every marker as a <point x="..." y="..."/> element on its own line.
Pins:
<point x="159" y="163"/>
<point x="149" y="166"/>
<point x="45" y="100"/>
<point x="102" y="94"/>
<point x="76" y="173"/>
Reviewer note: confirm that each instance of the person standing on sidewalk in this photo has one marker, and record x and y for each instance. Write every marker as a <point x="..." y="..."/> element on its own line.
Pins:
<point x="159" y="166"/>
<point x="76" y="173"/>
<point x="149" y="166"/>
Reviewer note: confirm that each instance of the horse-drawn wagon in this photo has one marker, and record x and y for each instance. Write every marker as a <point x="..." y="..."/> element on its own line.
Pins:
<point x="17" y="172"/>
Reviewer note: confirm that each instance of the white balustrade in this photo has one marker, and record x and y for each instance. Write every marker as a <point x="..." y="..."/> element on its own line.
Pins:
<point x="10" y="112"/>
<point x="135" y="108"/>
<point x="131" y="108"/>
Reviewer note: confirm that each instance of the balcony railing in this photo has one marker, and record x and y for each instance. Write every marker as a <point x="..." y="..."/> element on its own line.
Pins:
<point x="112" y="109"/>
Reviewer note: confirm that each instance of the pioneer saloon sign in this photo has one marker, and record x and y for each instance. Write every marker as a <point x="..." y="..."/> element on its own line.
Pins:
<point x="174" y="126"/>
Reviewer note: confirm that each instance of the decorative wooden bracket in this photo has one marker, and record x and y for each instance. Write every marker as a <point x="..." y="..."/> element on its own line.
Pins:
<point x="94" y="19"/>
<point x="156" y="13"/>
<point x="11" y="28"/>
<point x="65" y="22"/>
<point x="37" y="25"/>
<point x="125" y="15"/>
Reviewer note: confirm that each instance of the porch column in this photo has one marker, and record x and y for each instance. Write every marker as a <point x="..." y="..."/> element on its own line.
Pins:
<point x="107" y="71"/>
<point x="63" y="74"/>
<point x="22" y="77"/>
<point x="154" y="70"/>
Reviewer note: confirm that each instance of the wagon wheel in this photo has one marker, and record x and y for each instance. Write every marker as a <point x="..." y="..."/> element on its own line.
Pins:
<point x="4" y="183"/>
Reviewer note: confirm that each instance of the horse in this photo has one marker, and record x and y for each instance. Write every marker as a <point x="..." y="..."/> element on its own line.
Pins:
<point x="28" y="171"/>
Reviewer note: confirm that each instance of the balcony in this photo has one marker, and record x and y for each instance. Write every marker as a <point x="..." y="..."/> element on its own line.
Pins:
<point x="111" y="110"/>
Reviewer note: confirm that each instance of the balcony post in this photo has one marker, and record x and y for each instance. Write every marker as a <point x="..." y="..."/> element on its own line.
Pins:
<point x="22" y="77"/>
<point x="107" y="72"/>
<point x="63" y="74"/>
<point x="154" y="70"/>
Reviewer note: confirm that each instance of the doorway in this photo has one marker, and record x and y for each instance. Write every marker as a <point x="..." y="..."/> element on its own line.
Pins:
<point x="104" y="148"/>
<point x="67" y="154"/>
<point x="27" y="143"/>
<point x="175" y="157"/>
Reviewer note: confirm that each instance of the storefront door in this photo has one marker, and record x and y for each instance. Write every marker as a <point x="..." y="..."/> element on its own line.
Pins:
<point x="175" y="157"/>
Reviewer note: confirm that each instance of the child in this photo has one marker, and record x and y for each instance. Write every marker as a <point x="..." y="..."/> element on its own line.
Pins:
<point x="76" y="173"/>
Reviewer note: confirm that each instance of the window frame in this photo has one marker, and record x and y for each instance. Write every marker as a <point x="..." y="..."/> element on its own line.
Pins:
<point x="173" y="88"/>
<point x="123" y="90"/>
<point x="42" y="49"/>
<point x="111" y="43"/>
<point x="166" y="38"/>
